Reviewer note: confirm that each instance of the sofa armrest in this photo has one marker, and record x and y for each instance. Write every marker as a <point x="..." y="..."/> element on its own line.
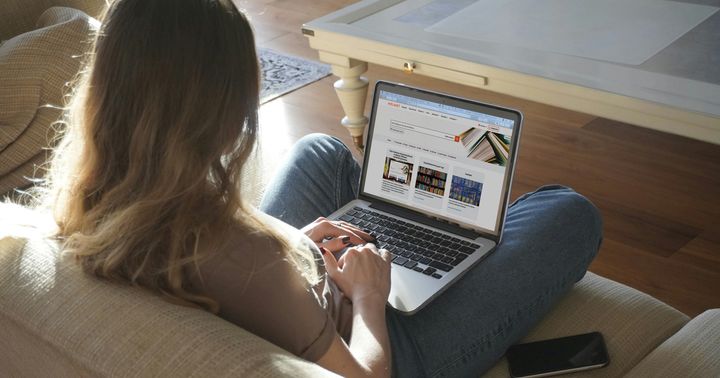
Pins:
<point x="19" y="16"/>
<point x="694" y="351"/>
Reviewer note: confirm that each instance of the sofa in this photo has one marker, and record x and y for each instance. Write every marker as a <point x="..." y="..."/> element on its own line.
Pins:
<point x="32" y="93"/>
<point x="56" y="321"/>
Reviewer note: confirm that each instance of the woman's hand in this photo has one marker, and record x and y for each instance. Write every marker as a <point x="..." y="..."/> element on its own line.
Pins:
<point x="363" y="273"/>
<point x="335" y="235"/>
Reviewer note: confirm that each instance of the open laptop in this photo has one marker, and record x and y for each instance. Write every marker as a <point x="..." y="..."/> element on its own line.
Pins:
<point x="435" y="186"/>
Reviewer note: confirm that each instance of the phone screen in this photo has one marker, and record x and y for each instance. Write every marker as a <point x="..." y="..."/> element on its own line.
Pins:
<point x="563" y="355"/>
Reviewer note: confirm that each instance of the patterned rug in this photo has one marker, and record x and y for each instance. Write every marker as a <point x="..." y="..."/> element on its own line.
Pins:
<point x="283" y="73"/>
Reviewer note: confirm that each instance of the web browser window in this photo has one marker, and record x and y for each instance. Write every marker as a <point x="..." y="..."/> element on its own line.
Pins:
<point x="442" y="159"/>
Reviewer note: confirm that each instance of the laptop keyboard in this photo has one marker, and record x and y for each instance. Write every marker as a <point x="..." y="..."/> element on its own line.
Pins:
<point x="413" y="247"/>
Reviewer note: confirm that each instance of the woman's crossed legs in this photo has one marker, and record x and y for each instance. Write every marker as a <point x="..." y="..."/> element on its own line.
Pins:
<point x="550" y="237"/>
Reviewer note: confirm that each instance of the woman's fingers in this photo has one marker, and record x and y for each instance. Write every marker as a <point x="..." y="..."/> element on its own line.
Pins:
<point x="337" y="244"/>
<point x="323" y="229"/>
<point x="337" y="228"/>
<point x="386" y="255"/>
<point x="331" y="264"/>
<point x="366" y="236"/>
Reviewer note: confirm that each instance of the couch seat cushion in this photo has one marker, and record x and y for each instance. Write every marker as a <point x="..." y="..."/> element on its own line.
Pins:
<point x="633" y="323"/>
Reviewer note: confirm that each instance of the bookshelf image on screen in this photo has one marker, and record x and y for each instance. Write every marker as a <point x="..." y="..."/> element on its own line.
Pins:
<point x="431" y="180"/>
<point x="397" y="171"/>
<point x="465" y="190"/>
<point x="487" y="146"/>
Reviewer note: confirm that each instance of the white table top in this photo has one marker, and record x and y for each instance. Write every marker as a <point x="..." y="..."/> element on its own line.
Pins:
<point x="685" y="73"/>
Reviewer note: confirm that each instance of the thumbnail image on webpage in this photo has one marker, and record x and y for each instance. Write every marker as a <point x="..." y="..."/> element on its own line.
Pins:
<point x="485" y="145"/>
<point x="431" y="180"/>
<point x="397" y="171"/>
<point x="467" y="191"/>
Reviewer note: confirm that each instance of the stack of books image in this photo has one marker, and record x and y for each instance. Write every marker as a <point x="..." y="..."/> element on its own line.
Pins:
<point x="485" y="145"/>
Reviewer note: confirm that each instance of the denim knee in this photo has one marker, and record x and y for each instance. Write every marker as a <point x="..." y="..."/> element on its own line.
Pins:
<point x="318" y="142"/>
<point x="579" y="215"/>
<point x="572" y="212"/>
<point x="583" y="212"/>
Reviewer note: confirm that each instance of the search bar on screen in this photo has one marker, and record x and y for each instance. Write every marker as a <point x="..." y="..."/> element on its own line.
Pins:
<point x="403" y="127"/>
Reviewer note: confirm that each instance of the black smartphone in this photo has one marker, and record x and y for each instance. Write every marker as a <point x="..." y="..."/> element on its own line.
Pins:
<point x="558" y="356"/>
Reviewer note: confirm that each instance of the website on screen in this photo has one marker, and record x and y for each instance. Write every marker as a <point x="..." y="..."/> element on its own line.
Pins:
<point x="440" y="159"/>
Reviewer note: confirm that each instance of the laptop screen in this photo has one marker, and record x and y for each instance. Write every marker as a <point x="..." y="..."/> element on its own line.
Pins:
<point x="443" y="156"/>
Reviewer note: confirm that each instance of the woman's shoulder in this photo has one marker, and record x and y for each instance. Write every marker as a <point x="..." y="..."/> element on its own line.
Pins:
<point x="247" y="250"/>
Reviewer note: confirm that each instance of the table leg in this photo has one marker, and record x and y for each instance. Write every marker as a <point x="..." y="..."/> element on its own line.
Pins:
<point x="352" y="89"/>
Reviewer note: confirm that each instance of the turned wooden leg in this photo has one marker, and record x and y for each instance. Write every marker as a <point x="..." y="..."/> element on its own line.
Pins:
<point x="352" y="89"/>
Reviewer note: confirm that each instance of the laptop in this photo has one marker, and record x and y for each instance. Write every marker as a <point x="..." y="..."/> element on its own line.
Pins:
<point x="435" y="186"/>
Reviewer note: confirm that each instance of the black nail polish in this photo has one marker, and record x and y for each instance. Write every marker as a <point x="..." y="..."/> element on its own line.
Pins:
<point x="345" y="239"/>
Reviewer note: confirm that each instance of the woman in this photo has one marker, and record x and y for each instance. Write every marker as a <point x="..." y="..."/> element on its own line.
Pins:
<point x="144" y="188"/>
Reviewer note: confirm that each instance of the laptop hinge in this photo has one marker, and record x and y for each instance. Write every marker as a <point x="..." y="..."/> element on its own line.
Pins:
<point x="424" y="219"/>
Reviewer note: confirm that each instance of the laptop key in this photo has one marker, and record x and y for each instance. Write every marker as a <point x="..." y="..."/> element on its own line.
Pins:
<point x="435" y="275"/>
<point x="399" y="260"/>
<point x="425" y="260"/>
<point x="418" y="269"/>
<point x="467" y="250"/>
<point x="440" y="265"/>
<point x="429" y="270"/>
<point x="410" y="264"/>
<point x="457" y="260"/>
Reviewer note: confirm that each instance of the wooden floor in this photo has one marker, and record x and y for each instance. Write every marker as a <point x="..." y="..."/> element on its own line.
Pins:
<point x="659" y="194"/>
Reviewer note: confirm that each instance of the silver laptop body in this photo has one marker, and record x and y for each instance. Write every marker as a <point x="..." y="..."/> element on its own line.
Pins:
<point x="435" y="186"/>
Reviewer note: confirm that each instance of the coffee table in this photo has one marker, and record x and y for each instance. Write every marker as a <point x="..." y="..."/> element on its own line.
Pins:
<point x="676" y="90"/>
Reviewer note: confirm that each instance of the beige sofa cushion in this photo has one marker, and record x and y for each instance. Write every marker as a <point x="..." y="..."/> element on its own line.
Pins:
<point x="55" y="319"/>
<point x="633" y="323"/>
<point x="19" y="16"/>
<point x="34" y="68"/>
<point x="692" y="352"/>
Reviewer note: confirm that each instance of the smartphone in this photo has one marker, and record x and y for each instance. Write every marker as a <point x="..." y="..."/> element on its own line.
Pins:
<point x="558" y="356"/>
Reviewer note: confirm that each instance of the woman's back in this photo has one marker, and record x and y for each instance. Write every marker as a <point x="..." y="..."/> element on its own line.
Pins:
<point x="259" y="289"/>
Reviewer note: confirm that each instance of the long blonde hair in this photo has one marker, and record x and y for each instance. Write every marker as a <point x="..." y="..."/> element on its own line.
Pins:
<point x="161" y="124"/>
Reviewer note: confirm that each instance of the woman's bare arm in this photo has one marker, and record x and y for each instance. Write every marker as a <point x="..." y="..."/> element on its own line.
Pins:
<point x="364" y="276"/>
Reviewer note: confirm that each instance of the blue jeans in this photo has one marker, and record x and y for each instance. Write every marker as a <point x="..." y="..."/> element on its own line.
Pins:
<point x="550" y="237"/>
